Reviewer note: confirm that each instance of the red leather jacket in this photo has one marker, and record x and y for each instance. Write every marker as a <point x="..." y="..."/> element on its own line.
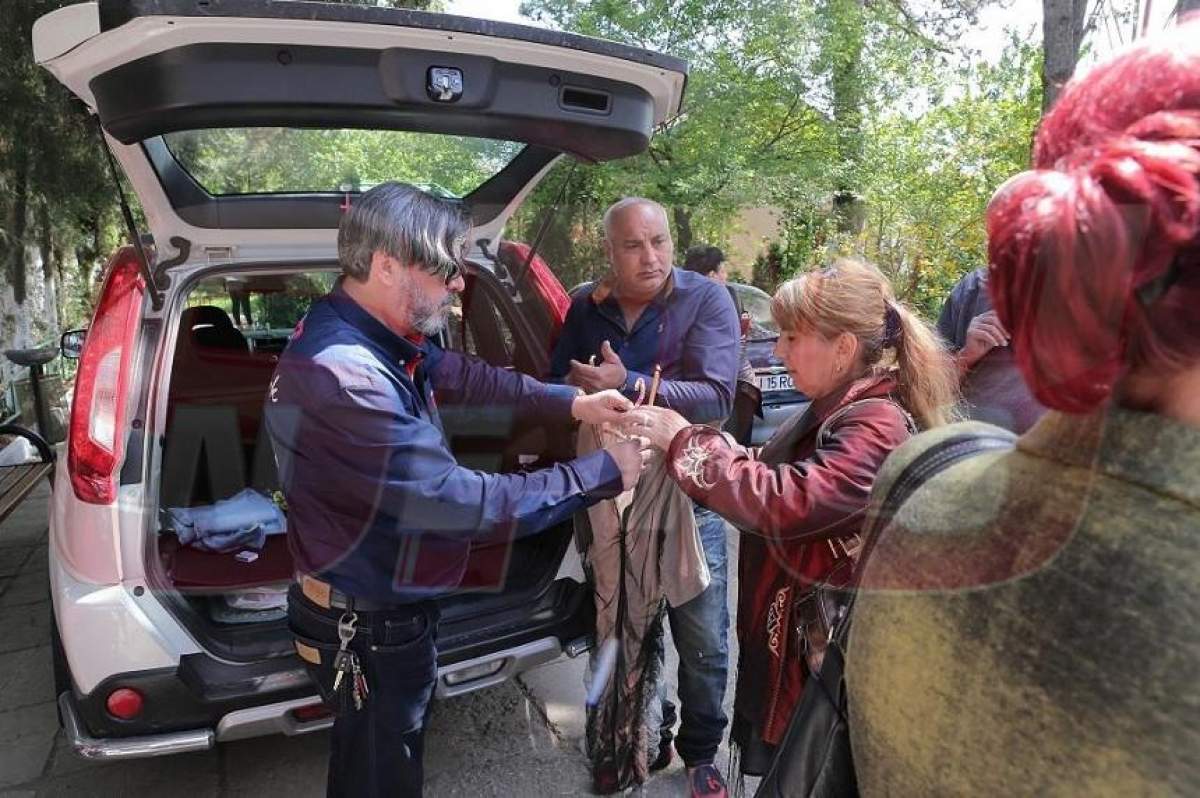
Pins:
<point x="792" y="499"/>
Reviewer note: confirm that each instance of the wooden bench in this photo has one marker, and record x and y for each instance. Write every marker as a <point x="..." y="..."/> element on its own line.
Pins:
<point x="16" y="481"/>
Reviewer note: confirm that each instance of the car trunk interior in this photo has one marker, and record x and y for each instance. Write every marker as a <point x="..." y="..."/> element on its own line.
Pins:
<point x="200" y="104"/>
<point x="232" y="328"/>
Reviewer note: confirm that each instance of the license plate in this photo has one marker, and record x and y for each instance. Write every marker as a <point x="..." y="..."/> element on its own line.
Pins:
<point x="768" y="383"/>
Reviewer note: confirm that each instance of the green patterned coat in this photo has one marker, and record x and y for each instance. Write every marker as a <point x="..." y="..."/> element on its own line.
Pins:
<point x="1030" y="623"/>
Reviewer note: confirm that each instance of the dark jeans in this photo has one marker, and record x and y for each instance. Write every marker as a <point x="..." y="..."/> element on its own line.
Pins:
<point x="375" y="751"/>
<point x="700" y="629"/>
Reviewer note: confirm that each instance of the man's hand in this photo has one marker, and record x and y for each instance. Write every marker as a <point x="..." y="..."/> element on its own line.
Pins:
<point x="985" y="334"/>
<point x="657" y="425"/>
<point x="606" y="407"/>
<point x="631" y="458"/>
<point x="609" y="374"/>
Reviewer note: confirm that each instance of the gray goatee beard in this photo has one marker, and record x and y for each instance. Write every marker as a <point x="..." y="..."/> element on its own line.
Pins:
<point x="432" y="320"/>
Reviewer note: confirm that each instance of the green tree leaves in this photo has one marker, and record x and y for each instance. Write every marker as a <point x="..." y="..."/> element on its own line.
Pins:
<point x="863" y="121"/>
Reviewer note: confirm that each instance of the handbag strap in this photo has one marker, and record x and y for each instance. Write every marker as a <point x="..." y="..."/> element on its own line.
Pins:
<point x="924" y="466"/>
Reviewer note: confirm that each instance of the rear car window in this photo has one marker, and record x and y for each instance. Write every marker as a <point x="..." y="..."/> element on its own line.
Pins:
<point x="263" y="306"/>
<point x="280" y="160"/>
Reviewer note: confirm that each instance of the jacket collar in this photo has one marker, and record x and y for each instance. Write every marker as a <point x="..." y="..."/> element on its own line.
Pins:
<point x="781" y="445"/>
<point x="874" y="384"/>
<point x="604" y="289"/>
<point x="1155" y="452"/>
<point x="402" y="350"/>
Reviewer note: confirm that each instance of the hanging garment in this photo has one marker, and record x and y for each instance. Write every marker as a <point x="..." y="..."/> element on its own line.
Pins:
<point x="645" y="551"/>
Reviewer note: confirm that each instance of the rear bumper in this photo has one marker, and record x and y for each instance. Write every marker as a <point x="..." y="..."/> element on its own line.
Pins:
<point x="139" y="747"/>
<point x="280" y="718"/>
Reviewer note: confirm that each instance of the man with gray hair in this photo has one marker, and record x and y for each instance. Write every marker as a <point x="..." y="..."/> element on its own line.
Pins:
<point x="647" y="314"/>
<point x="380" y="515"/>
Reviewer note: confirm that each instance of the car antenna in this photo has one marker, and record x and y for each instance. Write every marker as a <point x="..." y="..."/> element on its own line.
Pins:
<point x="156" y="301"/>
<point x="545" y="225"/>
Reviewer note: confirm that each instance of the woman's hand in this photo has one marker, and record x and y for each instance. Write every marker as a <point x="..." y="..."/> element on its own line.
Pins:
<point x="657" y="424"/>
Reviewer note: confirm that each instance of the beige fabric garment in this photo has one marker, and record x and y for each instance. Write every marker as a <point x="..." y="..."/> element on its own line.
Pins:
<point x="663" y="559"/>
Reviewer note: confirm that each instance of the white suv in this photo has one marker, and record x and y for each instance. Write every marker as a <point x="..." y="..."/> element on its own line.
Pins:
<point x="245" y="127"/>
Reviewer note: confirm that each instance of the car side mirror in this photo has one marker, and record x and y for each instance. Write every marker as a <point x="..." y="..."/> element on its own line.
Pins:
<point x="71" y="343"/>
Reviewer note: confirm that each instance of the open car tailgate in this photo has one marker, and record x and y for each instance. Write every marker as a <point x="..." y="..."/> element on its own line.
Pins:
<point x="152" y="67"/>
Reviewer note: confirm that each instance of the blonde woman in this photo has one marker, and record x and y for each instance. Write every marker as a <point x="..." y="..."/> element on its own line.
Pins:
<point x="875" y="373"/>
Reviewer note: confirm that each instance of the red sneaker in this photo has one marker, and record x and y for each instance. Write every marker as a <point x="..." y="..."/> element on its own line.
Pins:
<point x="604" y="781"/>
<point x="707" y="782"/>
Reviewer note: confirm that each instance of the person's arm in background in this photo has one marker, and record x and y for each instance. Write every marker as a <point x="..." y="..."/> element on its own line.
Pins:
<point x="978" y="337"/>
<point x="570" y="343"/>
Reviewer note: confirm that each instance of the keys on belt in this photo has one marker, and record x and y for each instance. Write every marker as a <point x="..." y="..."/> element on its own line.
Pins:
<point x="346" y="665"/>
<point x="346" y="661"/>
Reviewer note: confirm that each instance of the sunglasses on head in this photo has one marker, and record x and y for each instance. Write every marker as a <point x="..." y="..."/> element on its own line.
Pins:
<point x="455" y="269"/>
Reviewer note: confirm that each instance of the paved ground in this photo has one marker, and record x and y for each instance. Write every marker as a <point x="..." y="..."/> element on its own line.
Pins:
<point x="520" y="739"/>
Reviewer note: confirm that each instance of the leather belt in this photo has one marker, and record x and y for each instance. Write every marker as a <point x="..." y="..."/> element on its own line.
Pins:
<point x="328" y="597"/>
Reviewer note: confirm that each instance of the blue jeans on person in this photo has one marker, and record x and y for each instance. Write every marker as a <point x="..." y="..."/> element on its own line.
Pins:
<point x="375" y="751"/>
<point x="700" y="629"/>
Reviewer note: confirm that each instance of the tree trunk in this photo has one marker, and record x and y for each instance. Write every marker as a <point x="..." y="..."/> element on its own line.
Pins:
<point x="60" y="281"/>
<point x="683" y="229"/>
<point x="49" y="269"/>
<point x="1185" y="6"/>
<point x="18" y="223"/>
<point x="1062" y="35"/>
<point x="846" y="38"/>
<point x="45" y="240"/>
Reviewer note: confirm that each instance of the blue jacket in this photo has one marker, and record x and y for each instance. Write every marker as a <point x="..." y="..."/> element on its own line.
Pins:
<point x="377" y="504"/>
<point x="691" y="329"/>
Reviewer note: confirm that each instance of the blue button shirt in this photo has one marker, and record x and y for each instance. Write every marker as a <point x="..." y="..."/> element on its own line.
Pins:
<point x="377" y="504"/>
<point x="691" y="330"/>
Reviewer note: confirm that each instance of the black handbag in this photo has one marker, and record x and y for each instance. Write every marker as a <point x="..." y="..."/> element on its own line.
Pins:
<point x="814" y="759"/>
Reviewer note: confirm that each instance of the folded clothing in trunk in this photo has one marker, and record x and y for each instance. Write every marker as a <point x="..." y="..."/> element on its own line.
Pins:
<point x="240" y="522"/>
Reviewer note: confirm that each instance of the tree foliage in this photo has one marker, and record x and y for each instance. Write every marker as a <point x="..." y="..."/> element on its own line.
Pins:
<point x="747" y="117"/>
<point x="273" y="159"/>
<point x="823" y="109"/>
<point x="864" y="122"/>
<point x="786" y="107"/>
<point x="930" y="175"/>
<point x="57" y="197"/>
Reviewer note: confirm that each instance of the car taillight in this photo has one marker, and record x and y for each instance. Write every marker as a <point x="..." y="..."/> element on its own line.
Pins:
<point x="124" y="703"/>
<point x="310" y="712"/>
<point x="96" y="446"/>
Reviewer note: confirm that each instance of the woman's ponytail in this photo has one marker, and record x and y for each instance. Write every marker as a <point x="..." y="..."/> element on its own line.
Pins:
<point x="927" y="378"/>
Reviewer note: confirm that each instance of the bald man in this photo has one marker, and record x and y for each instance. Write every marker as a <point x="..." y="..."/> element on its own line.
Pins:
<point x="648" y="313"/>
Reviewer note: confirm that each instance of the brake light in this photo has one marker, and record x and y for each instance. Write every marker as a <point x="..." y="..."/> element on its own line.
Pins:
<point x="96" y="445"/>
<point x="124" y="703"/>
<point x="310" y="712"/>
